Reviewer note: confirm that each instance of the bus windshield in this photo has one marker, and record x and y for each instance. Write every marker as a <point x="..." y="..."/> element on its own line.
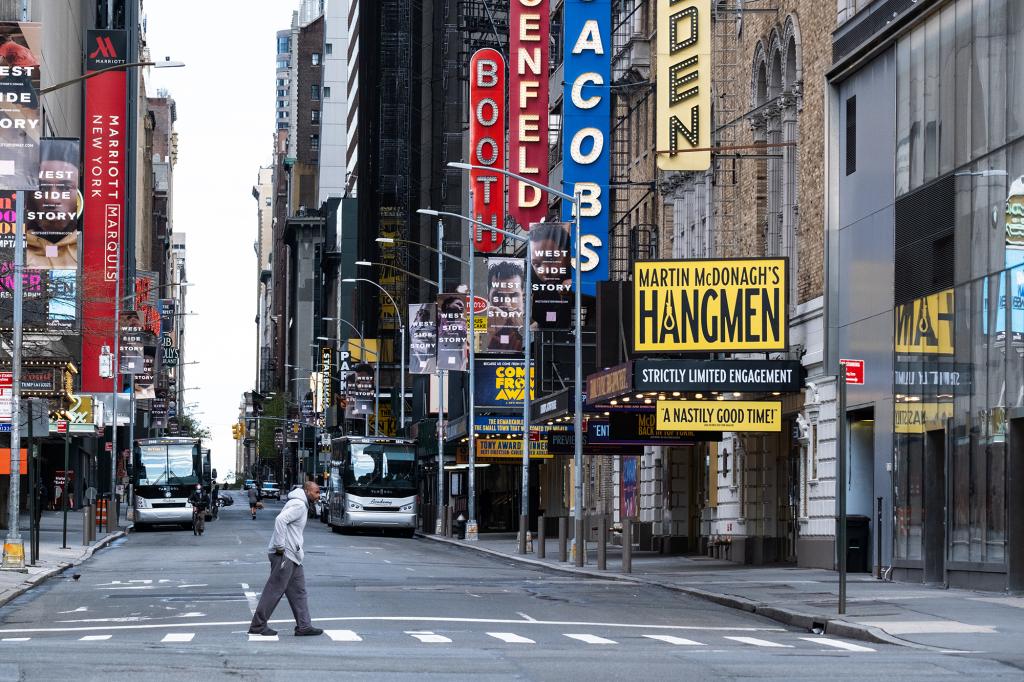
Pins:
<point x="166" y="464"/>
<point x="379" y="466"/>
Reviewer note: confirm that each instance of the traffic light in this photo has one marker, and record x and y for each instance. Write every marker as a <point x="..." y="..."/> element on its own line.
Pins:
<point x="237" y="430"/>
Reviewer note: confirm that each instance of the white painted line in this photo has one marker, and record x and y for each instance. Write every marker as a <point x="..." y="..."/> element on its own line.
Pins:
<point x="754" y="641"/>
<point x="15" y="639"/>
<point x="678" y="641"/>
<point x="178" y="637"/>
<point x="837" y="643"/>
<point x="245" y="586"/>
<point x="263" y="638"/>
<point x="526" y="616"/>
<point x="78" y="610"/>
<point x="343" y="635"/>
<point x="511" y="638"/>
<point x="95" y="638"/>
<point x="428" y="637"/>
<point x="591" y="639"/>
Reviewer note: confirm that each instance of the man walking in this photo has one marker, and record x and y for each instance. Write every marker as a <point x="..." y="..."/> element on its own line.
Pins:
<point x="254" y="498"/>
<point x="286" y="575"/>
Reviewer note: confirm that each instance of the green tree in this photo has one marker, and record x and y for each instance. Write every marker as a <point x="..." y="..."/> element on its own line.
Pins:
<point x="191" y="427"/>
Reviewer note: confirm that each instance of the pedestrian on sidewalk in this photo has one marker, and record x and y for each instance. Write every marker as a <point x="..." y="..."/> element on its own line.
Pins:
<point x="286" y="573"/>
<point x="254" y="498"/>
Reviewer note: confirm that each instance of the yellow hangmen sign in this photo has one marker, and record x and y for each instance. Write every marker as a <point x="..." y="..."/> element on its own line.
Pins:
<point x="725" y="415"/>
<point x="918" y="417"/>
<point x="710" y="305"/>
<point x="925" y="325"/>
<point x="684" y="85"/>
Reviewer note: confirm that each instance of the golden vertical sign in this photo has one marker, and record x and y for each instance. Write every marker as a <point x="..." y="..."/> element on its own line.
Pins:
<point x="684" y="84"/>
<point x="710" y="305"/>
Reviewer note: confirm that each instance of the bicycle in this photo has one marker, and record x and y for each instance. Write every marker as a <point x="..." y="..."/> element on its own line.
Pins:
<point x="198" y="520"/>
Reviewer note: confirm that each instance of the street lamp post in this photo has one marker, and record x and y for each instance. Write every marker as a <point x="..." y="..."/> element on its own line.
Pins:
<point x="577" y="348"/>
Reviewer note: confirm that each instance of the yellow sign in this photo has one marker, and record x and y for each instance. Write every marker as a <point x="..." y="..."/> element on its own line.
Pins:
<point x="925" y="326"/>
<point x="725" y="415"/>
<point x="511" y="449"/>
<point x="710" y="305"/>
<point x="684" y="85"/>
<point x="919" y="417"/>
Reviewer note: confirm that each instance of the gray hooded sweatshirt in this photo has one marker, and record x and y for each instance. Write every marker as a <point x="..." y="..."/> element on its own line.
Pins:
<point x="289" y="525"/>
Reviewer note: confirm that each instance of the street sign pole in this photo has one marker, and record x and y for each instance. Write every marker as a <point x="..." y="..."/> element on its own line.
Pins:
<point x="841" y="491"/>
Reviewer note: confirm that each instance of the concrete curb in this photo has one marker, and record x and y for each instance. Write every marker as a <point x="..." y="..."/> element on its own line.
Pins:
<point x="830" y="625"/>
<point x="41" y="577"/>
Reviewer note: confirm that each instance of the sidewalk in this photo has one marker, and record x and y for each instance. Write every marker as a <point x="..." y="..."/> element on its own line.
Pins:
<point x="52" y="558"/>
<point x="884" y="612"/>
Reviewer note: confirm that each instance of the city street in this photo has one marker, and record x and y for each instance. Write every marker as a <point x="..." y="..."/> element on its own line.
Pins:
<point x="169" y="605"/>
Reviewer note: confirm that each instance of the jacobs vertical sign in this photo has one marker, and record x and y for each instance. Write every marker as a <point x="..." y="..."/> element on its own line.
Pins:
<point x="585" y="132"/>
<point x="487" y="144"/>
<point x="684" y="84"/>
<point x="710" y="305"/>
<point x="529" y="48"/>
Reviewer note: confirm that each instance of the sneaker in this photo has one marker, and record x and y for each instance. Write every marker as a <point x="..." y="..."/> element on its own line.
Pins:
<point x="308" y="632"/>
<point x="265" y="632"/>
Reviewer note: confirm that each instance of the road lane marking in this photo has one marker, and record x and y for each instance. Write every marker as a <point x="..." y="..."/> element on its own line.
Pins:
<point x="95" y="638"/>
<point x="343" y="635"/>
<point x="245" y="586"/>
<point x="403" y="619"/>
<point x="754" y="641"/>
<point x="678" y="641"/>
<point x="78" y="610"/>
<point x="15" y="639"/>
<point x="511" y="638"/>
<point x="591" y="639"/>
<point x="428" y="637"/>
<point x="526" y="617"/>
<point x="178" y="637"/>
<point x="839" y="644"/>
<point x="263" y="638"/>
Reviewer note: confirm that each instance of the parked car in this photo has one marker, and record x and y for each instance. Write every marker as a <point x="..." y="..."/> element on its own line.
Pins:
<point x="248" y="484"/>
<point x="225" y="499"/>
<point x="271" y="490"/>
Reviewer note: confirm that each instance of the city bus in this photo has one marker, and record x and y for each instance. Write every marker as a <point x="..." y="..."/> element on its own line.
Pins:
<point x="373" y="484"/>
<point x="165" y="472"/>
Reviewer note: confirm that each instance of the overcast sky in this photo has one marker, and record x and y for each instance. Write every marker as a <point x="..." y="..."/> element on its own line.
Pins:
<point x="225" y="97"/>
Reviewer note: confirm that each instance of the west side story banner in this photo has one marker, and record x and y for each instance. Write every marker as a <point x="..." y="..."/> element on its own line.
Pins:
<point x="422" y="338"/>
<point x="552" y="275"/>
<point x="104" y="139"/>
<point x="452" y="323"/>
<point x="21" y="128"/>
<point x="585" y="131"/>
<point x="529" y="48"/>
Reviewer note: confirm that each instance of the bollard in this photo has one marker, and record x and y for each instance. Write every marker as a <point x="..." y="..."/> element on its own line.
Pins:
<point x="541" y="537"/>
<point x="627" y="546"/>
<point x="91" y="522"/>
<point x="563" y="528"/>
<point x="86" y="513"/>
<point x="449" y="526"/>
<point x="602" y="543"/>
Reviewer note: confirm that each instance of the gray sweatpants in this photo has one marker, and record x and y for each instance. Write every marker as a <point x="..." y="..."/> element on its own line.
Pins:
<point x="286" y="579"/>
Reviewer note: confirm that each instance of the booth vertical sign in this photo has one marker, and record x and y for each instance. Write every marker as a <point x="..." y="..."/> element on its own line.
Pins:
<point x="529" y="48"/>
<point x="103" y="188"/>
<point x="684" y="85"/>
<point x="585" y="132"/>
<point x="487" y="144"/>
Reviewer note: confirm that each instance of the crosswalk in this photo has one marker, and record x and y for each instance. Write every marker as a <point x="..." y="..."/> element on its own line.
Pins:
<point x="430" y="637"/>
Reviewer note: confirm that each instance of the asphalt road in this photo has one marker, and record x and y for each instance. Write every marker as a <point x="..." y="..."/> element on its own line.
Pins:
<point x="165" y="605"/>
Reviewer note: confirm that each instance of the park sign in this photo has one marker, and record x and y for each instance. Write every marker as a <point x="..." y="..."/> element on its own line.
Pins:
<point x="710" y="305"/>
<point x="723" y="415"/>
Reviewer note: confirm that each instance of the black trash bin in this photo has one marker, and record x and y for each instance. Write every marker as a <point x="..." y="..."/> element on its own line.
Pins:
<point x="858" y="544"/>
<point x="460" y="527"/>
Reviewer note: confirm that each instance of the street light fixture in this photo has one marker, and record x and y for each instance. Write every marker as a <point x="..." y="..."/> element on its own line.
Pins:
<point x="577" y="355"/>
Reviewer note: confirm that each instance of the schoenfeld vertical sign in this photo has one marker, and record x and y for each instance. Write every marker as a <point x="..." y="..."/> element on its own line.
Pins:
<point x="103" y="186"/>
<point x="529" y="28"/>
<point x="487" y="144"/>
<point x="684" y="85"/>
<point x="585" y="131"/>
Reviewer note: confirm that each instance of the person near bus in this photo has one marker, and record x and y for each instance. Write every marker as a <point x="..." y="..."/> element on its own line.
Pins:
<point x="200" y="502"/>
<point x="287" y="577"/>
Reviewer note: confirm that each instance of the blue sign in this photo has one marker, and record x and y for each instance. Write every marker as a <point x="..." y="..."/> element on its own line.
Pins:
<point x="499" y="383"/>
<point x="490" y="424"/>
<point x="586" y="137"/>
<point x="5" y="427"/>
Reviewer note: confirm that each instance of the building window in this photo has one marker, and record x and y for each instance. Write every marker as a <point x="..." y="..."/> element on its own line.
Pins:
<point x="314" y="143"/>
<point x="282" y="93"/>
<point x="280" y="82"/>
<point x="327" y="92"/>
<point x="315" y="92"/>
<point x="851" y="135"/>
<point x="282" y="63"/>
<point x="329" y="49"/>
<point x="283" y="44"/>
<point x="315" y="116"/>
<point x="316" y="59"/>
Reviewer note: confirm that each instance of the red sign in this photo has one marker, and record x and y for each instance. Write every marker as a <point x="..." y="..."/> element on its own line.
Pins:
<point x="480" y="305"/>
<point x="529" y="28"/>
<point x="854" y="370"/>
<point x="109" y="447"/>
<point x="62" y="426"/>
<point x="103" y="186"/>
<point x="487" y="144"/>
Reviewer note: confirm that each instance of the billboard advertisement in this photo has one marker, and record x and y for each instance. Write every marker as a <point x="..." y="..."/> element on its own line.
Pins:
<point x="684" y="85"/>
<point x="710" y="305"/>
<point x="52" y="210"/>
<point x="487" y="144"/>
<point x="34" y="286"/>
<point x="21" y="127"/>
<point x="925" y="326"/>
<point x="529" y="47"/>
<point x="422" y="338"/>
<point x="103" y="191"/>
<point x="727" y="415"/>
<point x="629" y="487"/>
<point x="361" y="390"/>
<point x="452" y="323"/>
<point x="585" y="131"/>
<point x="550" y="258"/>
<point x="504" y="287"/>
<point x="499" y="383"/>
